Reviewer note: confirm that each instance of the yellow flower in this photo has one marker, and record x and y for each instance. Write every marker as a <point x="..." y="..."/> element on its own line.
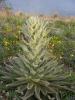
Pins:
<point x="53" y="45"/>
<point x="18" y="26"/>
<point x="5" y="42"/>
<point x="59" y="41"/>
<point x="71" y="55"/>
<point x="61" y="57"/>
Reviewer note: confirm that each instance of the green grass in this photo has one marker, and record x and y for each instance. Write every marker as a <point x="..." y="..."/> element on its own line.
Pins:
<point x="61" y="43"/>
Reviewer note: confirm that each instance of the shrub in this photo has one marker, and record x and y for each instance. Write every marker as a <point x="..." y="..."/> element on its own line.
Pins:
<point x="8" y="46"/>
<point x="10" y="29"/>
<point x="62" y="42"/>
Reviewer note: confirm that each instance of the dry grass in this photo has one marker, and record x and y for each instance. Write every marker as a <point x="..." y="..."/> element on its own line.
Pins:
<point x="5" y="13"/>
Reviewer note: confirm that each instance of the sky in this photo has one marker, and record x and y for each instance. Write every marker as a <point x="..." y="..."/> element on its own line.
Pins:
<point x="46" y="7"/>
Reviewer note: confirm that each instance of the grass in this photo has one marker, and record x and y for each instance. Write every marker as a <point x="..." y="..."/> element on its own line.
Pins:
<point x="61" y="34"/>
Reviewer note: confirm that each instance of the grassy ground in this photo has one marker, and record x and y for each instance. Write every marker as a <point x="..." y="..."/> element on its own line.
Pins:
<point x="61" y="42"/>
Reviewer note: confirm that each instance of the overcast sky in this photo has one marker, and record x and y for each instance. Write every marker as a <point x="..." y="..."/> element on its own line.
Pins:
<point x="64" y="7"/>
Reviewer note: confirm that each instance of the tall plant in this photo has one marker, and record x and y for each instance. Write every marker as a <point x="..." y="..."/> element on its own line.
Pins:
<point x="34" y="73"/>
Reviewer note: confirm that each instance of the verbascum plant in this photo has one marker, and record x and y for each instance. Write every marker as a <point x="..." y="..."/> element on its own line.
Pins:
<point x="35" y="73"/>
